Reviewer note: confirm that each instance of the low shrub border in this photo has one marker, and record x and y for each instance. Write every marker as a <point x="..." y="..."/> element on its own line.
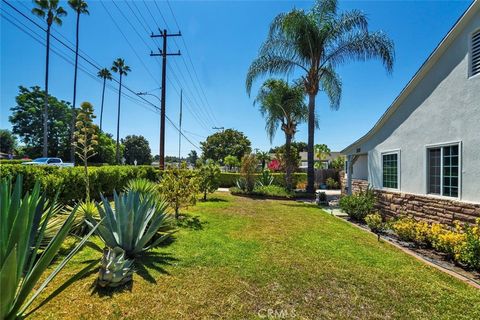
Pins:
<point x="70" y="182"/>
<point x="270" y="192"/>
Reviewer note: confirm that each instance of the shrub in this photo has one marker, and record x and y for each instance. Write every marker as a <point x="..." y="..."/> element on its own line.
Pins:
<point x="229" y="179"/>
<point x="375" y="223"/>
<point x="468" y="252"/>
<point x="247" y="171"/>
<point x="208" y="177"/>
<point x="70" y="182"/>
<point x="265" y="179"/>
<point x="179" y="187"/>
<point x="271" y="191"/>
<point x="357" y="206"/>
<point x="332" y="183"/>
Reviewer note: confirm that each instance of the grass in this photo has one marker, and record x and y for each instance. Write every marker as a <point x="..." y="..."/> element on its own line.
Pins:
<point x="241" y="258"/>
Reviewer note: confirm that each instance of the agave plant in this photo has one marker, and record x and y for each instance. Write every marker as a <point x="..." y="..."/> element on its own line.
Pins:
<point x="135" y="224"/>
<point x="265" y="179"/>
<point x="115" y="269"/>
<point x="23" y="222"/>
<point x="144" y="186"/>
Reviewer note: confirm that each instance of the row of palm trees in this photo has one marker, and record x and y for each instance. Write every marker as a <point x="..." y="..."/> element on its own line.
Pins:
<point x="53" y="14"/>
<point x="315" y="42"/>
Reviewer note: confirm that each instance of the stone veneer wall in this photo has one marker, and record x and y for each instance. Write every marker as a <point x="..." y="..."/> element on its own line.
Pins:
<point x="426" y="208"/>
<point x="422" y="207"/>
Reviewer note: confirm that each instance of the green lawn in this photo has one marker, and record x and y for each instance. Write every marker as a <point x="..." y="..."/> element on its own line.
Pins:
<point x="252" y="256"/>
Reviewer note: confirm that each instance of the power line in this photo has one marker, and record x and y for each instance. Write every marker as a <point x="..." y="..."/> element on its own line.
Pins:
<point x="93" y="64"/>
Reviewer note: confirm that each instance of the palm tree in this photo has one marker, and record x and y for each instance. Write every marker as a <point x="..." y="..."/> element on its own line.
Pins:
<point x="80" y="7"/>
<point x="316" y="42"/>
<point x="105" y="75"/>
<point x="51" y="12"/>
<point x="263" y="157"/>
<point x="122" y="69"/>
<point x="283" y="105"/>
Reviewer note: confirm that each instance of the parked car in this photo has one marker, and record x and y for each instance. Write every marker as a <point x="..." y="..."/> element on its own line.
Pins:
<point x="48" y="162"/>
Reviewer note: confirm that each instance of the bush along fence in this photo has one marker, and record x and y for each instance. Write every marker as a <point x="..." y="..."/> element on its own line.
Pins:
<point x="229" y="179"/>
<point x="70" y="182"/>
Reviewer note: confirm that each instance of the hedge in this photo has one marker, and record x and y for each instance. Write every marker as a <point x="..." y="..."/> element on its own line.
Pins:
<point x="228" y="179"/>
<point x="13" y="161"/>
<point x="70" y="182"/>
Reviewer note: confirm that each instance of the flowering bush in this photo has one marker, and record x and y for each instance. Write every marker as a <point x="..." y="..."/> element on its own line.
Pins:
<point x="274" y="165"/>
<point x="375" y="223"/>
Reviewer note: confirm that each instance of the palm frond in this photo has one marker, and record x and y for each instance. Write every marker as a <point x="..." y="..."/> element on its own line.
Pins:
<point x="331" y="84"/>
<point x="271" y="65"/>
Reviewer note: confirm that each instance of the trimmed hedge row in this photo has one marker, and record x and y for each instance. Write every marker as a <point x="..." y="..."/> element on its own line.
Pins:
<point x="14" y="161"/>
<point x="70" y="182"/>
<point x="228" y="179"/>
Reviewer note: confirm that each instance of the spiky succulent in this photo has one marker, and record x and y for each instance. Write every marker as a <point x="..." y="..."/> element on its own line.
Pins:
<point x="115" y="269"/>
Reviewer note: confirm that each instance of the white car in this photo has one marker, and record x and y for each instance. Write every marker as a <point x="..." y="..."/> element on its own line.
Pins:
<point x="48" y="162"/>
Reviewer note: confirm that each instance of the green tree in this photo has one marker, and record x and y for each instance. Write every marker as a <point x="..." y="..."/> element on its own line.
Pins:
<point x="338" y="163"/>
<point x="179" y="187"/>
<point x="209" y="178"/>
<point x="85" y="140"/>
<point x="224" y="143"/>
<point x="80" y="7"/>
<point x="316" y="42"/>
<point x="51" y="12"/>
<point x="26" y="120"/>
<point x="105" y="149"/>
<point x="122" y="69"/>
<point x="300" y="146"/>
<point x="263" y="157"/>
<point x="105" y="75"/>
<point x="192" y="157"/>
<point x="282" y="106"/>
<point x="137" y="148"/>
<point x="231" y="162"/>
<point x="247" y="171"/>
<point x="8" y="141"/>
<point x="322" y="151"/>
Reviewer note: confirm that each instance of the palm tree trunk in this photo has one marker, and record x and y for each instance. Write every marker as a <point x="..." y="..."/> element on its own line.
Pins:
<point x="72" y="124"/>
<point x="311" y="134"/>
<point x="45" y="107"/>
<point x="103" y="97"/>
<point x="117" y="151"/>
<point x="288" y="161"/>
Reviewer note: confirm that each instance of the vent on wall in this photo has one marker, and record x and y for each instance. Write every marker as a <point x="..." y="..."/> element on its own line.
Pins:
<point x="475" y="54"/>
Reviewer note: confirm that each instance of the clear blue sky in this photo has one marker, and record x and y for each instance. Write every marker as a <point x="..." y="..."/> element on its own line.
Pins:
<point x="222" y="38"/>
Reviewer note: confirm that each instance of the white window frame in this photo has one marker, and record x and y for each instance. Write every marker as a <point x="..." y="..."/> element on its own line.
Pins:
<point x="441" y="146"/>
<point x="470" y="53"/>
<point x="399" y="162"/>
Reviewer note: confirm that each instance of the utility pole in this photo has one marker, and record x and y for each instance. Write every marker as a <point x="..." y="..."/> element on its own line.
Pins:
<point x="163" y="53"/>
<point x="180" y="127"/>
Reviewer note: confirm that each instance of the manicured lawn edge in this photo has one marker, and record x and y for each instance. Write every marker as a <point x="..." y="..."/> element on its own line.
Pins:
<point x="415" y="255"/>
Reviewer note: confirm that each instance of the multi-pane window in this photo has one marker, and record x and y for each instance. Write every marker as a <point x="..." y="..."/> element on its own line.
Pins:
<point x="390" y="170"/>
<point x="443" y="170"/>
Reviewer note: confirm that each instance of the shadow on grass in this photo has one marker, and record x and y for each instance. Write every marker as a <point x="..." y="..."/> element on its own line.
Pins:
<point x="189" y="221"/>
<point x="299" y="204"/>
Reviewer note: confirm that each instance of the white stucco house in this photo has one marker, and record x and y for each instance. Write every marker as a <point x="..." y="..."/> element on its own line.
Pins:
<point x="423" y="155"/>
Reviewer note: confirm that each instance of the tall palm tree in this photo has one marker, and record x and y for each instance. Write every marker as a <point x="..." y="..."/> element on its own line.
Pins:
<point x="80" y="7"/>
<point x="316" y="42"/>
<point x="52" y="13"/>
<point x="105" y="75"/>
<point x="282" y="106"/>
<point x="122" y="69"/>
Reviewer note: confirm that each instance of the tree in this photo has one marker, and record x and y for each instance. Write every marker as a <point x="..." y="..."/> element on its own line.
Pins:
<point x="338" y="163"/>
<point x="80" y="7"/>
<point x="137" y="148"/>
<point x="122" y="69"/>
<point x="179" y="187"/>
<point x="247" y="171"/>
<point x="51" y="12"/>
<point x="192" y="157"/>
<point x="263" y="157"/>
<point x="209" y="178"/>
<point x="300" y="146"/>
<point x="26" y="120"/>
<point x="105" y="149"/>
<point x="8" y="142"/>
<point x="316" y="42"/>
<point x="224" y="143"/>
<point x="105" y="75"/>
<point x="322" y="151"/>
<point x="282" y="106"/>
<point x="85" y="140"/>
<point x="231" y="162"/>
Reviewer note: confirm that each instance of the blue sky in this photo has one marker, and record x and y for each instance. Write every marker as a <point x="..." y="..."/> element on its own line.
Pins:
<point x="222" y="38"/>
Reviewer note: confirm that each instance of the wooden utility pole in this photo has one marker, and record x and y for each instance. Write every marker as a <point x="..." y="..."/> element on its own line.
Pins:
<point x="180" y="127"/>
<point x="163" y="53"/>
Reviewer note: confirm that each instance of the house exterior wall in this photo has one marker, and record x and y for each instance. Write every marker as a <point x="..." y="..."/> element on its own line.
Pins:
<point x="360" y="168"/>
<point x="443" y="107"/>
